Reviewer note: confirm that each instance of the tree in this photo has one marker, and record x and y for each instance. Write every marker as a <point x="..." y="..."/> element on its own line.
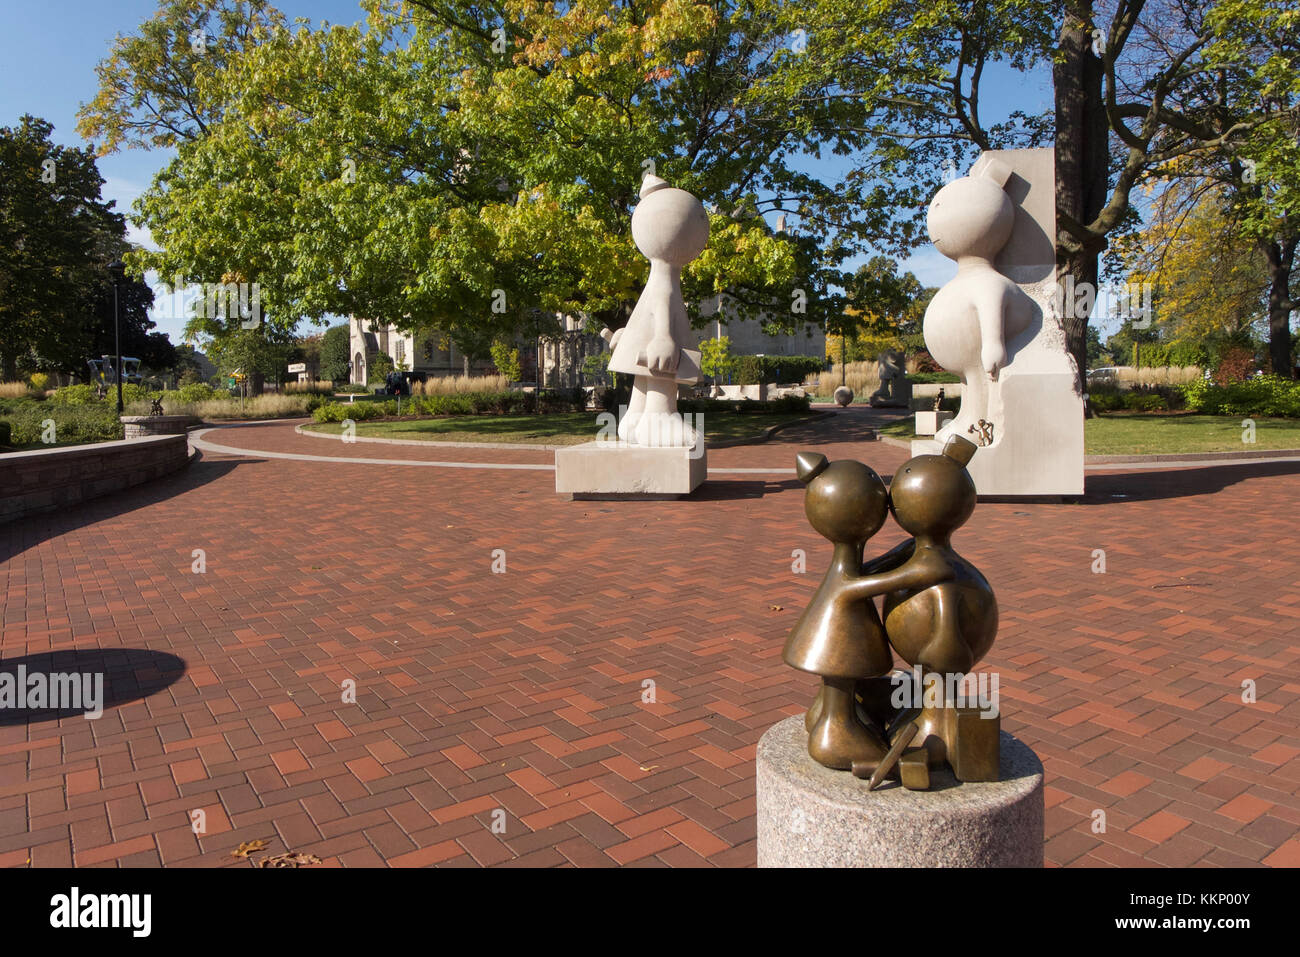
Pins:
<point x="1097" y="354"/>
<point x="1208" y="280"/>
<point x="57" y="238"/>
<point x="478" y="183"/>
<point x="335" y="357"/>
<point x="160" y="88"/>
<point x="1174" y="84"/>
<point x="716" y="360"/>
<point x="1135" y="91"/>
<point x="506" y="359"/>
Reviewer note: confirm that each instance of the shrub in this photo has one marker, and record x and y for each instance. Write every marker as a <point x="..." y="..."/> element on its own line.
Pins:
<point x="39" y="381"/>
<point x="751" y="370"/>
<point x="356" y="411"/>
<point x="74" y="395"/>
<point x="459" y="384"/>
<point x="196" y="392"/>
<point x="922" y="362"/>
<point x="268" y="406"/>
<point x="862" y="377"/>
<point x="1155" y="399"/>
<point x="444" y="404"/>
<point x="563" y="400"/>
<point x="5" y="430"/>
<point x="319" y="387"/>
<point x="1132" y="377"/>
<point x="932" y="378"/>
<point x="380" y="365"/>
<point x="1236" y="364"/>
<point x="73" y="424"/>
<point x="506" y="358"/>
<point x="1268" y="395"/>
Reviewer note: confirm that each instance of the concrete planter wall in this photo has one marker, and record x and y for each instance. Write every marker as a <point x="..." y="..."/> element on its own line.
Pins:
<point x="138" y="426"/>
<point x="46" y="479"/>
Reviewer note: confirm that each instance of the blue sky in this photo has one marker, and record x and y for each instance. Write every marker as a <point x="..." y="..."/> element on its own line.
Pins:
<point x="48" y="53"/>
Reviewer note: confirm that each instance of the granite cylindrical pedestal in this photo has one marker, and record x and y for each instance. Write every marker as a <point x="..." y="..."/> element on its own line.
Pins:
<point x="811" y="816"/>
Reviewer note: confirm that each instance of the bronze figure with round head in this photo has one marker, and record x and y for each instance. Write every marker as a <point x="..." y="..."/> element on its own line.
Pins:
<point x="840" y="640"/>
<point x="949" y="625"/>
<point x="939" y="611"/>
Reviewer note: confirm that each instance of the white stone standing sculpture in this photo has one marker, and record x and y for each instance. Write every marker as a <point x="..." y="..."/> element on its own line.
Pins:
<point x="671" y="228"/>
<point x="997" y="325"/>
<point x="657" y="454"/>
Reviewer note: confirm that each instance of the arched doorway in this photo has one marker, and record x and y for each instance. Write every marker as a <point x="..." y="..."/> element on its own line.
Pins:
<point x="359" y="368"/>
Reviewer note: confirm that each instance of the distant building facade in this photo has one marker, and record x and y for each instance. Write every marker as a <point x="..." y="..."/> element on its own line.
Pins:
<point x="564" y="354"/>
<point x="414" y="352"/>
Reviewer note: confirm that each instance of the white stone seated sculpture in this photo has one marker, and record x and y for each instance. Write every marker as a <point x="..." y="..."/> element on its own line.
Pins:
<point x="996" y="325"/>
<point x="671" y="228"/>
<point x="969" y="320"/>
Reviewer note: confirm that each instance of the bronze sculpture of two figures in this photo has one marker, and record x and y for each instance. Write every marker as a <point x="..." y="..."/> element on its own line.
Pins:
<point x="939" y="616"/>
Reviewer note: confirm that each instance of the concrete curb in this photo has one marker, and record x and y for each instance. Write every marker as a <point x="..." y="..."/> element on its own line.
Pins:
<point x="1185" y="458"/>
<point x="724" y="444"/>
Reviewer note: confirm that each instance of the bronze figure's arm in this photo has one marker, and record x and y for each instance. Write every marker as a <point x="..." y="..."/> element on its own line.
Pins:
<point x="913" y="574"/>
<point x="890" y="559"/>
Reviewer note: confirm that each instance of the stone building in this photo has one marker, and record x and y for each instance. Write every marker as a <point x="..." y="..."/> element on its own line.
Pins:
<point x="416" y="353"/>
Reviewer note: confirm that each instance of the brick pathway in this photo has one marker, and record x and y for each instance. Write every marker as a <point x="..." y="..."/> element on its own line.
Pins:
<point x="516" y="699"/>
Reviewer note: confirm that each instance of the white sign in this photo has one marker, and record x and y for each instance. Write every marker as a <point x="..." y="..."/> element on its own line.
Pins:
<point x="298" y="367"/>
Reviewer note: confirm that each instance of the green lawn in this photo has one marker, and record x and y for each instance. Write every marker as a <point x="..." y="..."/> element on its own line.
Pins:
<point x="1168" y="434"/>
<point x="565" y="428"/>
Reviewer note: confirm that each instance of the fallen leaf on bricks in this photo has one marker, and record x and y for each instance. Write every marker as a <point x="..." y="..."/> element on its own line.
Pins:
<point x="289" y="859"/>
<point x="248" y="847"/>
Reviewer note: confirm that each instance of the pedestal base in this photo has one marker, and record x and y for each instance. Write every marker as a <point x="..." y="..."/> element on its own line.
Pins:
<point x="811" y="816"/>
<point x="929" y="422"/>
<point x="616" y="470"/>
<point x="1039" y="449"/>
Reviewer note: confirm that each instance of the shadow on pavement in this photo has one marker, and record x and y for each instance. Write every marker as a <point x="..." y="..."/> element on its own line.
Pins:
<point x="721" y="490"/>
<point x="1105" y="488"/>
<point x="24" y="533"/>
<point x="73" y="682"/>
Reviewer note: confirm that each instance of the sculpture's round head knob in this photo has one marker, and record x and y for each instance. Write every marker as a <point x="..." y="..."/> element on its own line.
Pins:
<point x="846" y="501"/>
<point x="669" y="224"/>
<point x="971" y="216"/>
<point x="933" y="494"/>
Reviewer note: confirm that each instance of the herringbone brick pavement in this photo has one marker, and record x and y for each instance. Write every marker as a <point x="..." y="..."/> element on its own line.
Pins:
<point x="599" y="702"/>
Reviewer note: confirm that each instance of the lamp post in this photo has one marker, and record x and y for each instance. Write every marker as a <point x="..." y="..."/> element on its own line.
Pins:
<point x="117" y="271"/>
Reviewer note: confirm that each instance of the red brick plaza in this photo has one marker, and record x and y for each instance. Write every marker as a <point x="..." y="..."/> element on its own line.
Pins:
<point x="505" y="717"/>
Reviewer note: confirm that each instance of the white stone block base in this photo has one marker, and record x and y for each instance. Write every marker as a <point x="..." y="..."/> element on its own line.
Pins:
<point x="1040" y="449"/>
<point x="616" y="470"/>
<point x="928" y="423"/>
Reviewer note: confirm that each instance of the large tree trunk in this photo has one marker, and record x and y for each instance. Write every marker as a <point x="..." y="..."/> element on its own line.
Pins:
<point x="1281" y="260"/>
<point x="10" y="361"/>
<point x="1082" y="158"/>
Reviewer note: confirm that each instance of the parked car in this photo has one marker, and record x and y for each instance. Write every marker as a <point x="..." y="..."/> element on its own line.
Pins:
<point x="1106" y="374"/>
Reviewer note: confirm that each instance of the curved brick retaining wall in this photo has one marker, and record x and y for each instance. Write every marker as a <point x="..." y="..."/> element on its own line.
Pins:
<point x="46" y="479"/>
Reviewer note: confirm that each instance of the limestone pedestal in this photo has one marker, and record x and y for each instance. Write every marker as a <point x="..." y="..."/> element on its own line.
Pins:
<point x="617" y="470"/>
<point x="140" y="426"/>
<point x="811" y="816"/>
<point x="930" y="422"/>
<point x="1042" y="454"/>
